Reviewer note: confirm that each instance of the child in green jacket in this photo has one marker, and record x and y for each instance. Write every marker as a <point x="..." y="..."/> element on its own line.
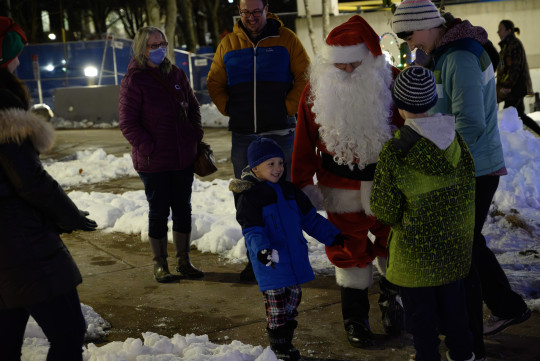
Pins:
<point x="424" y="188"/>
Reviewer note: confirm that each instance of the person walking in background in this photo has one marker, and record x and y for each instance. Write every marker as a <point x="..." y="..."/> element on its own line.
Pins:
<point x="345" y="116"/>
<point x="38" y="276"/>
<point x="273" y="214"/>
<point x="256" y="78"/>
<point x="160" y="117"/>
<point x="424" y="188"/>
<point x="466" y="89"/>
<point x="513" y="78"/>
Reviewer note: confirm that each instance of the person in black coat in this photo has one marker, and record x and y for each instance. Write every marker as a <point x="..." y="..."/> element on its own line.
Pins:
<point x="38" y="276"/>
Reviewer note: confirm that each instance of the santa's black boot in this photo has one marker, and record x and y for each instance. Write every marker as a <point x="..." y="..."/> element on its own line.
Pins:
<point x="355" y="310"/>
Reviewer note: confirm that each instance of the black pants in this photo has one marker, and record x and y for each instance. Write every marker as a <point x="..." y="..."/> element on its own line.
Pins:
<point x="430" y="311"/>
<point x="166" y="193"/>
<point x="520" y="107"/>
<point x="61" y="320"/>
<point x="486" y="280"/>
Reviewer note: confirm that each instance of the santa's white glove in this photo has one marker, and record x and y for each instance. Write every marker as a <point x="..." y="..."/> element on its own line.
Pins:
<point x="315" y="196"/>
<point x="365" y="194"/>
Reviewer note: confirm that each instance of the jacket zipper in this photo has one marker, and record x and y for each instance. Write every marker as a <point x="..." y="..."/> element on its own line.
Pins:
<point x="255" y="78"/>
<point x="255" y="89"/>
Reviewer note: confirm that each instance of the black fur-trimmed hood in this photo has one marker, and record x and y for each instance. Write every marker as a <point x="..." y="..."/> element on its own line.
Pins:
<point x="18" y="125"/>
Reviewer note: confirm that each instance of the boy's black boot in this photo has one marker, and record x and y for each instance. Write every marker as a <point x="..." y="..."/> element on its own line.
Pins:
<point x="294" y="354"/>
<point x="281" y="344"/>
<point x="355" y="310"/>
<point x="391" y="308"/>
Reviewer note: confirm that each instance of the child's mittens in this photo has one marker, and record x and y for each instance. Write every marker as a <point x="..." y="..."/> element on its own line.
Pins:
<point x="265" y="257"/>
<point x="339" y="240"/>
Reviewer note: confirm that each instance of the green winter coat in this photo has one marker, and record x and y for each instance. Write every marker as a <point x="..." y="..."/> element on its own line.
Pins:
<point x="427" y="196"/>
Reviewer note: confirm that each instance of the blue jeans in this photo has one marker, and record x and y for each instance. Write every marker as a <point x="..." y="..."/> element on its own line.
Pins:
<point x="241" y="142"/>
<point x="166" y="192"/>
<point x="61" y="320"/>
<point x="430" y="311"/>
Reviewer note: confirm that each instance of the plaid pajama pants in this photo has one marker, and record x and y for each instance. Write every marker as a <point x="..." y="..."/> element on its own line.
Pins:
<point x="281" y="305"/>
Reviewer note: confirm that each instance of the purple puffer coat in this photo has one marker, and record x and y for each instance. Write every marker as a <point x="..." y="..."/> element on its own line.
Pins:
<point x="152" y="120"/>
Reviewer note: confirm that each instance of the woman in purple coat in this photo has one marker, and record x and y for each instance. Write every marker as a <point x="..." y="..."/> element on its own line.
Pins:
<point x="161" y="119"/>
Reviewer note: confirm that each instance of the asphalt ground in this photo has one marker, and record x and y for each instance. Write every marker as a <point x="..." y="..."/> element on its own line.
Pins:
<point x="118" y="283"/>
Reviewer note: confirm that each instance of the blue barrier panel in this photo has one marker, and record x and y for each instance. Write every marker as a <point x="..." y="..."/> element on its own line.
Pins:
<point x="62" y="65"/>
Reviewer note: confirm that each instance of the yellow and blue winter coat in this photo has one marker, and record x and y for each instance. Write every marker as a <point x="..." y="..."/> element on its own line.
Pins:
<point x="272" y="216"/>
<point x="259" y="85"/>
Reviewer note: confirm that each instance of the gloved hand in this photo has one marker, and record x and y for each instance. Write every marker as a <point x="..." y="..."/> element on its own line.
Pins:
<point x="265" y="257"/>
<point x="86" y="223"/>
<point x="339" y="240"/>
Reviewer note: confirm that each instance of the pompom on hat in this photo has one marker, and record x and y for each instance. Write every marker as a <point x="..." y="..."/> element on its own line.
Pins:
<point x="262" y="149"/>
<point x="413" y="15"/>
<point x="352" y="41"/>
<point x="415" y="90"/>
<point x="12" y="40"/>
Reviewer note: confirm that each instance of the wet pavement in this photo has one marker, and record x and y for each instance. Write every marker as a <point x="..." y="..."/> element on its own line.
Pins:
<point x="119" y="285"/>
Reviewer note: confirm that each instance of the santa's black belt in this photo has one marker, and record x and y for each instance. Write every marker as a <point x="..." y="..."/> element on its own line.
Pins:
<point x="343" y="170"/>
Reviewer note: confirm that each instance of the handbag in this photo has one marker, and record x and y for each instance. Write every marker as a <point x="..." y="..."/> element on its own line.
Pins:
<point x="205" y="163"/>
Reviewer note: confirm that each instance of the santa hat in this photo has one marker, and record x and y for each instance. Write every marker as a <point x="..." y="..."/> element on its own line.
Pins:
<point x="413" y="15"/>
<point x="12" y="40"/>
<point x="352" y="41"/>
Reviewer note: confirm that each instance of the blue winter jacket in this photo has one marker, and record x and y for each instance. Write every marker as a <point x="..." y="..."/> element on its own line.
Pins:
<point x="466" y="89"/>
<point x="272" y="216"/>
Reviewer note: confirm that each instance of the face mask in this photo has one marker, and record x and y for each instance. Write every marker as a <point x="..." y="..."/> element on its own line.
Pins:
<point x="156" y="56"/>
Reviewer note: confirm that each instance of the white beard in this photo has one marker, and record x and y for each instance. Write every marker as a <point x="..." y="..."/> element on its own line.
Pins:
<point x="353" y="109"/>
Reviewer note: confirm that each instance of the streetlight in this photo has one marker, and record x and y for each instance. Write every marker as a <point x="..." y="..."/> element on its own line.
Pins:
<point x="91" y="72"/>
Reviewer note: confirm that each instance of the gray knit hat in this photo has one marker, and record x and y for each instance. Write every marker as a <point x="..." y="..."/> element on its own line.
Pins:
<point x="415" y="90"/>
<point x="414" y="15"/>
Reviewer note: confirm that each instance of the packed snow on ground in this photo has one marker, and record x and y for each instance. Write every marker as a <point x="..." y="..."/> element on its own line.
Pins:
<point x="215" y="230"/>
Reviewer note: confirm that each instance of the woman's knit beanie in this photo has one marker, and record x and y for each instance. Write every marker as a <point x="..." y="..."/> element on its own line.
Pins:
<point x="262" y="149"/>
<point x="415" y="90"/>
<point x="12" y="40"/>
<point x="413" y="15"/>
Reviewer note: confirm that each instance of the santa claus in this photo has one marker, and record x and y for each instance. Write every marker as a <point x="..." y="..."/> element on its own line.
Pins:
<point x="345" y="116"/>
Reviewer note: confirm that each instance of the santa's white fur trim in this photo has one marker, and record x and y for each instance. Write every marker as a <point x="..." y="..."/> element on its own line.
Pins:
<point x="355" y="277"/>
<point x="315" y="196"/>
<point x="338" y="200"/>
<point x="365" y="193"/>
<point x="346" y="54"/>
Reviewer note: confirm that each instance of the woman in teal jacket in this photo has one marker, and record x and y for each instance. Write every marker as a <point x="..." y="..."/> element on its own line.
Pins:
<point x="466" y="89"/>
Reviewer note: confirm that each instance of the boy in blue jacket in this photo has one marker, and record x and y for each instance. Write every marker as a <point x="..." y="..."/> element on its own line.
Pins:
<point x="273" y="213"/>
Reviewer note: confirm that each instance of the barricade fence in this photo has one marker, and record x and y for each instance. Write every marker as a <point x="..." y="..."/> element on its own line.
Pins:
<point x="47" y="67"/>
